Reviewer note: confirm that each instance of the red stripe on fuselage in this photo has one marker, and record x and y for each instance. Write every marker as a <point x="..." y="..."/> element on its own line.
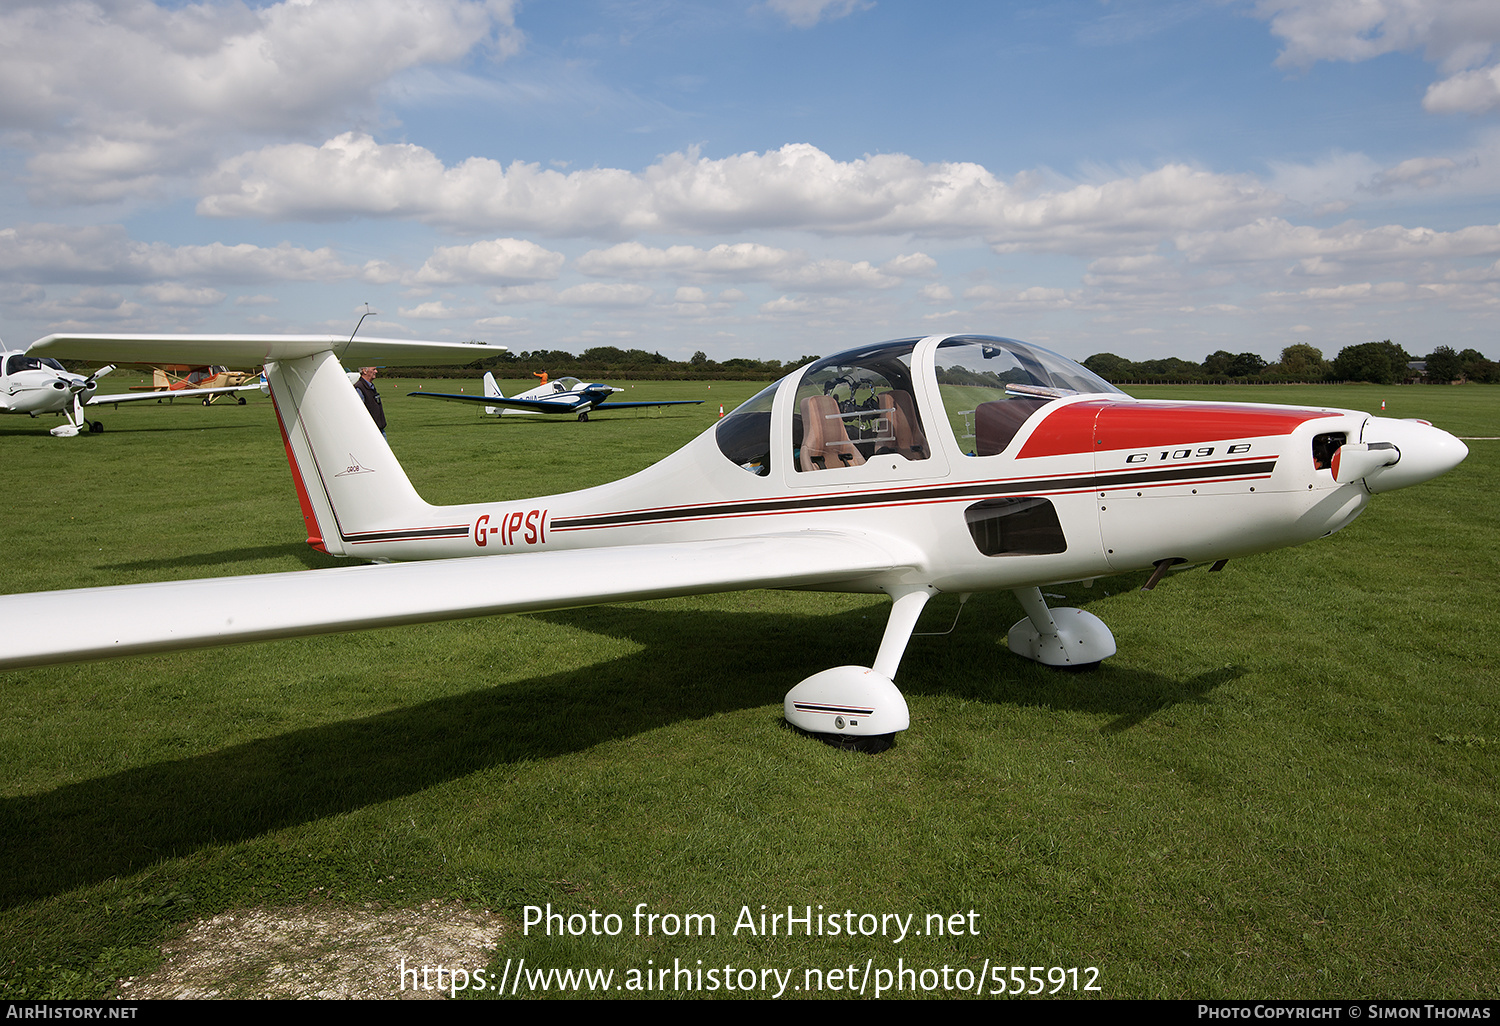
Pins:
<point x="1064" y="431"/>
<point x="1100" y="426"/>
<point x="309" y="516"/>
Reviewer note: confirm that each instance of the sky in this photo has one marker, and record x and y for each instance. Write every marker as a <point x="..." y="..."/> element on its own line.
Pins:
<point x="757" y="178"/>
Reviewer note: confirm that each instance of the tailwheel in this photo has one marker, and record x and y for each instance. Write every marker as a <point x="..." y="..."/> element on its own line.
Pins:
<point x="95" y="427"/>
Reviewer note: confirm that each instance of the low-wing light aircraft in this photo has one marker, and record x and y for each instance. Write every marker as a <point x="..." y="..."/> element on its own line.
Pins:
<point x="565" y="395"/>
<point x="923" y="465"/>
<point x="40" y="385"/>
<point x="36" y="385"/>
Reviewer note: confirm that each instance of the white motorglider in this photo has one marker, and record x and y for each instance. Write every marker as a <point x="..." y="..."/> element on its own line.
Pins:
<point x="924" y="465"/>
<point x="37" y="385"/>
<point x="564" y="395"/>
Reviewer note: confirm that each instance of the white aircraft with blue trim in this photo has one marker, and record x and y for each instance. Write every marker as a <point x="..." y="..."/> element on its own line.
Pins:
<point x="564" y="395"/>
<point x="950" y="463"/>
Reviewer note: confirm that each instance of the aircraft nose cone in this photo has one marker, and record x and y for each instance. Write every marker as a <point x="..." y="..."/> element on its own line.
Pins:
<point x="1426" y="452"/>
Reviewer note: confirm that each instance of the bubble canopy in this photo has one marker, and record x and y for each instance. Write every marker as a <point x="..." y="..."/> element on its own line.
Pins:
<point x="889" y="398"/>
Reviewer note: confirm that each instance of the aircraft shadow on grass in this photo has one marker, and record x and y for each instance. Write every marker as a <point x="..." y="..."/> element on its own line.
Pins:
<point x="30" y="429"/>
<point x="118" y="824"/>
<point x="153" y="430"/>
<point x="975" y="665"/>
<point x="225" y="558"/>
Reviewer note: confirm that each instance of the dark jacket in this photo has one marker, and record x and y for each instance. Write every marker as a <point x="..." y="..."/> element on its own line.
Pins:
<point x="366" y="390"/>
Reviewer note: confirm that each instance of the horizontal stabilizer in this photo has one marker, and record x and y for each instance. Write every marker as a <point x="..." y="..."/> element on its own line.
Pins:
<point x="96" y="623"/>
<point x="255" y="350"/>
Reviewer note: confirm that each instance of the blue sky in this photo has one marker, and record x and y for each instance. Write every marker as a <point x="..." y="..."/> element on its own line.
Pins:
<point x="767" y="178"/>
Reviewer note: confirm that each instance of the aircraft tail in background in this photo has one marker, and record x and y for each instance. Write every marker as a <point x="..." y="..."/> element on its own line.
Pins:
<point x="491" y="391"/>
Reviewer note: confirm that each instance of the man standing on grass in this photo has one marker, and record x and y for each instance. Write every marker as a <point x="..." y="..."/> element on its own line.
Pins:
<point x="365" y="386"/>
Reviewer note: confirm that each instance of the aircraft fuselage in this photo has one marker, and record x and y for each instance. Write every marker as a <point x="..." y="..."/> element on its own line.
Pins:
<point x="1086" y="486"/>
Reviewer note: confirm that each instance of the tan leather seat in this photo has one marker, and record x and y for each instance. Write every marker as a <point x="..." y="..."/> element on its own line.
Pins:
<point x="825" y="442"/>
<point x="898" y="408"/>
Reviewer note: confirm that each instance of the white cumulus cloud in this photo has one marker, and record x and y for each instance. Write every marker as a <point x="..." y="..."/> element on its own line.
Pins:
<point x="106" y="253"/>
<point x="795" y="187"/>
<point x="596" y="293"/>
<point x="491" y="262"/>
<point x="1324" y="249"/>
<point x="1468" y="92"/>
<point x="1459" y="36"/>
<point x="747" y="261"/>
<point x="110" y="96"/>
<point x="741" y="260"/>
<point x="176" y="294"/>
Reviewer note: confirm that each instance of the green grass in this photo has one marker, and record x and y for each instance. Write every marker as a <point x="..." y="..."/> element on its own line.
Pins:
<point x="1282" y="785"/>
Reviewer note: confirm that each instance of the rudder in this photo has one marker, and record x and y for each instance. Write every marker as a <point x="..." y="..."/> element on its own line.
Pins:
<point x="491" y="391"/>
<point x="348" y="481"/>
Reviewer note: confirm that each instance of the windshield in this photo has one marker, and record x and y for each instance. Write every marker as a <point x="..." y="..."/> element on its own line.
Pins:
<point x="16" y="364"/>
<point x="745" y="435"/>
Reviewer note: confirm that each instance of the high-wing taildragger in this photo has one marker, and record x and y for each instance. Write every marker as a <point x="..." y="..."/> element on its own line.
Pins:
<point x="181" y="382"/>
<point x="924" y="465"/>
<point x="564" y="395"/>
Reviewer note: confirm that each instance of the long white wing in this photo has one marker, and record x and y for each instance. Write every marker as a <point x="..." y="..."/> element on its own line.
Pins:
<point x="116" y="398"/>
<point x="255" y="350"/>
<point x="96" y="623"/>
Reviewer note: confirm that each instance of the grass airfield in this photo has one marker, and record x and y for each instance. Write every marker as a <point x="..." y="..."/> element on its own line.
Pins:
<point x="1284" y="785"/>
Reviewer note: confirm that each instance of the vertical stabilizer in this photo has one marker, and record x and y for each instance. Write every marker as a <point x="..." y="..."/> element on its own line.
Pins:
<point x="491" y="390"/>
<point x="350" y="485"/>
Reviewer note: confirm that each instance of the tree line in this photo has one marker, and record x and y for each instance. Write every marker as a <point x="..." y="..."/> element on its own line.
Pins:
<point x="1383" y="363"/>
<point x="612" y="362"/>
